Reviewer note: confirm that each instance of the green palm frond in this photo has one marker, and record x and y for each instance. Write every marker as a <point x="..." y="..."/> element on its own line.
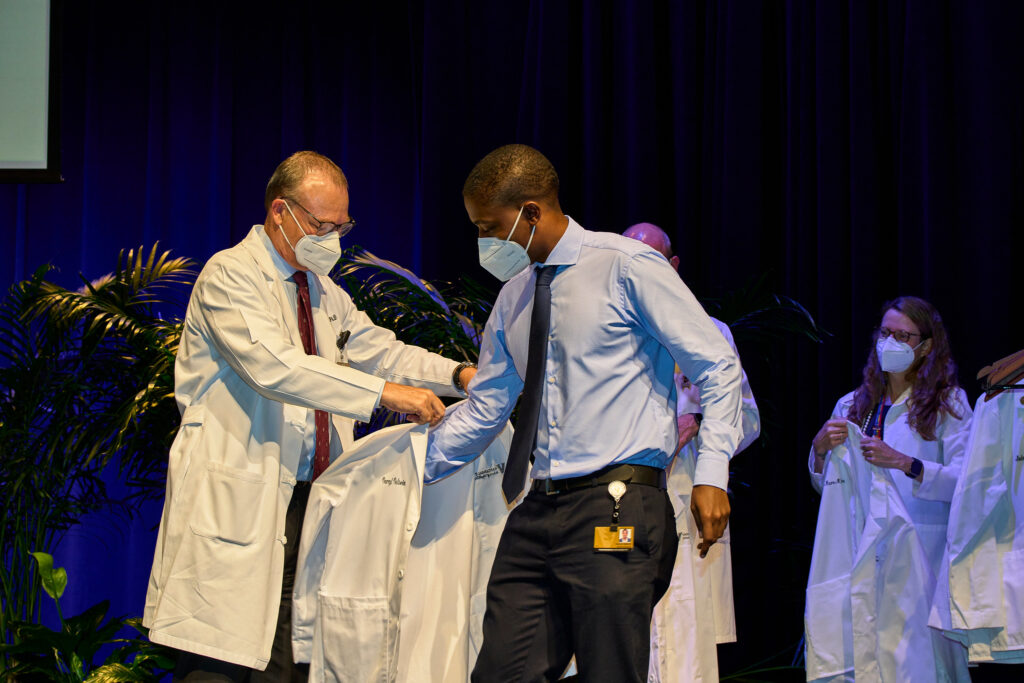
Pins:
<point x="448" y="318"/>
<point x="758" y="318"/>
<point x="86" y="382"/>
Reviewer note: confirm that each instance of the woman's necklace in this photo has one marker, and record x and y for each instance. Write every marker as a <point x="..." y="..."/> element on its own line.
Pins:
<point x="874" y="411"/>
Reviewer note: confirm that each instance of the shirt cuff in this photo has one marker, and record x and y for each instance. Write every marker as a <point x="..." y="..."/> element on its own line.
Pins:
<point x="712" y="470"/>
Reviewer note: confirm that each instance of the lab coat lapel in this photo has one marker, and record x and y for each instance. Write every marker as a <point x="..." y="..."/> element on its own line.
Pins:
<point x="275" y="285"/>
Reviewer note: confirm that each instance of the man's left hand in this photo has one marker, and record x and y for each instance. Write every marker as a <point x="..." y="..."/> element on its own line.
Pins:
<point x="710" y="507"/>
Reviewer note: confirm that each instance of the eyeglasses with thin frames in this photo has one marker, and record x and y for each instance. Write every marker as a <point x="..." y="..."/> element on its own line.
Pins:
<point x="325" y="227"/>
<point x="901" y="335"/>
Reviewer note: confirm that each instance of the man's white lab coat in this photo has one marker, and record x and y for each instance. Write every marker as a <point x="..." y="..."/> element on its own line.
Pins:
<point x="244" y="386"/>
<point x="871" y="581"/>
<point x="697" y="611"/>
<point x="392" y="574"/>
<point x="980" y="597"/>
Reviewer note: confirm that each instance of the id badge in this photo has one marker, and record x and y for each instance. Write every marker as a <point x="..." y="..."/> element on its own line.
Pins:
<point x="613" y="538"/>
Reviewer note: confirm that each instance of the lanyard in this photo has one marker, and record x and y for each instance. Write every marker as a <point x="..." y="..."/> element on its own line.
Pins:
<point x="874" y="423"/>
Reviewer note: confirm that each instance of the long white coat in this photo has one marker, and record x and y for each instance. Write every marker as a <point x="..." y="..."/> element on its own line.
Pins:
<point x="391" y="573"/>
<point x="980" y="597"/>
<point x="244" y="386"/>
<point x="697" y="611"/>
<point x="876" y="552"/>
<point x="445" y="593"/>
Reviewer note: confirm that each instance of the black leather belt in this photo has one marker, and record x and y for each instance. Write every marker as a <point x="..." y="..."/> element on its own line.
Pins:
<point x="630" y="474"/>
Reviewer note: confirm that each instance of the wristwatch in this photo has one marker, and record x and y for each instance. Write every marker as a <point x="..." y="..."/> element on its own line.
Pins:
<point x="916" y="467"/>
<point x="457" y="375"/>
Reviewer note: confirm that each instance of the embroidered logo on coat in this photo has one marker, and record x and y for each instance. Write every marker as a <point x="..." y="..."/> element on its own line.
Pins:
<point x="835" y="482"/>
<point x="490" y="471"/>
<point x="393" y="480"/>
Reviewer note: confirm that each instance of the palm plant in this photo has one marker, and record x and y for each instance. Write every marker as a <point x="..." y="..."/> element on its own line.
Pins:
<point x="86" y="383"/>
<point x="447" y="319"/>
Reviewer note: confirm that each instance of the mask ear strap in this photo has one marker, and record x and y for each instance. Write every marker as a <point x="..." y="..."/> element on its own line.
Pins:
<point x="514" y="225"/>
<point x="530" y="241"/>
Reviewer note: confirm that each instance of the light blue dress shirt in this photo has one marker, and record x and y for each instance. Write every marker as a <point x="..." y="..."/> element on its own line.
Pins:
<point x="621" y="319"/>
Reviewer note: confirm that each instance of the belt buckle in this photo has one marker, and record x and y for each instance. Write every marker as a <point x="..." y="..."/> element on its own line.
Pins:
<point x="549" y="490"/>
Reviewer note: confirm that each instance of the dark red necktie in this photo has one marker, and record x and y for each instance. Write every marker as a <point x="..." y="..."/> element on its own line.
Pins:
<point x="322" y="454"/>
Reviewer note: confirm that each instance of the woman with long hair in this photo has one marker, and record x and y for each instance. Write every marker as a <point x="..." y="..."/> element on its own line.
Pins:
<point x="911" y="422"/>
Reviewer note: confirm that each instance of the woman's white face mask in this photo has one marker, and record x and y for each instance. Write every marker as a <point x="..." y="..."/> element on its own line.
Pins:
<point x="319" y="253"/>
<point x="895" y="356"/>
<point x="503" y="258"/>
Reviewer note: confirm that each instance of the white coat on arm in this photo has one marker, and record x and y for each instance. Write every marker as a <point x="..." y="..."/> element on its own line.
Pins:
<point x="245" y="387"/>
<point x="697" y="611"/>
<point x="871" y="580"/>
<point x="979" y="600"/>
<point x="391" y="572"/>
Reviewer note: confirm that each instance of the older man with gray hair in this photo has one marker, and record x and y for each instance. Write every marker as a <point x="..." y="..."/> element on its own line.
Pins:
<point x="275" y="365"/>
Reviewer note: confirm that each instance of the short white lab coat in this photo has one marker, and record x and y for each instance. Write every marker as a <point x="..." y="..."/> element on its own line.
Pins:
<point x="876" y="550"/>
<point x="391" y="573"/>
<point x="697" y="612"/>
<point x="980" y="597"/>
<point x="244" y="385"/>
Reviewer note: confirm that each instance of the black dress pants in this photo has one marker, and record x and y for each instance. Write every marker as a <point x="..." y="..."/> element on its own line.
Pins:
<point x="551" y="595"/>
<point x="193" y="668"/>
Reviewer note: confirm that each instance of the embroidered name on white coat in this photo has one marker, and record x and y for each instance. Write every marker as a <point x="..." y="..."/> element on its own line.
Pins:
<point x="498" y="468"/>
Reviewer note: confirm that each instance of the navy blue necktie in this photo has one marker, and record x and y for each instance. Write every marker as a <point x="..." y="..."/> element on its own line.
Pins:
<point x="525" y="437"/>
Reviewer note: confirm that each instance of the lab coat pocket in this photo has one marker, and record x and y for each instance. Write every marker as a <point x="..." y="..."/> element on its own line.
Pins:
<point x="1013" y="588"/>
<point x="189" y="436"/>
<point x="827" y="616"/>
<point x="228" y="504"/>
<point x="358" y="640"/>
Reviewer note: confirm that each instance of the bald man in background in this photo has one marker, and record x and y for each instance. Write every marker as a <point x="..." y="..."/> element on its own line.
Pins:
<point x="685" y="630"/>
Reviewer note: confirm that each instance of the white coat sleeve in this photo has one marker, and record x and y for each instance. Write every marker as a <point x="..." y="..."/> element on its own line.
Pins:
<point x="470" y="426"/>
<point x="669" y="312"/>
<point x="939" y="478"/>
<point x="751" y="418"/>
<point x="376" y="351"/>
<point x="231" y="307"/>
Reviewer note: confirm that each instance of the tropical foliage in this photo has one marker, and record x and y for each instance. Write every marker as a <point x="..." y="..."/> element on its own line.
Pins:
<point x="86" y="385"/>
<point x="447" y="319"/>
<point x="67" y="654"/>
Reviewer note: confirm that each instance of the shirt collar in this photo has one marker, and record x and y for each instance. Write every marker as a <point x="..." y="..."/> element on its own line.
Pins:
<point x="282" y="267"/>
<point x="567" y="251"/>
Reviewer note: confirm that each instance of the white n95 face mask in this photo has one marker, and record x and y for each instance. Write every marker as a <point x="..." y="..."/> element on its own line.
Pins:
<point x="319" y="253"/>
<point x="894" y="356"/>
<point x="503" y="258"/>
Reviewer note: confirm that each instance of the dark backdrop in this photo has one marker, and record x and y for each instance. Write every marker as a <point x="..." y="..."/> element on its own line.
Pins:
<point x="852" y="151"/>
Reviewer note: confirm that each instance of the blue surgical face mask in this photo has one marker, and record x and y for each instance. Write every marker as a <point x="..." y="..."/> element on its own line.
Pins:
<point x="503" y="258"/>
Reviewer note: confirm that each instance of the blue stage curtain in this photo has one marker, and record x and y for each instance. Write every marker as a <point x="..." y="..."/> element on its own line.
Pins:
<point x="852" y="150"/>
